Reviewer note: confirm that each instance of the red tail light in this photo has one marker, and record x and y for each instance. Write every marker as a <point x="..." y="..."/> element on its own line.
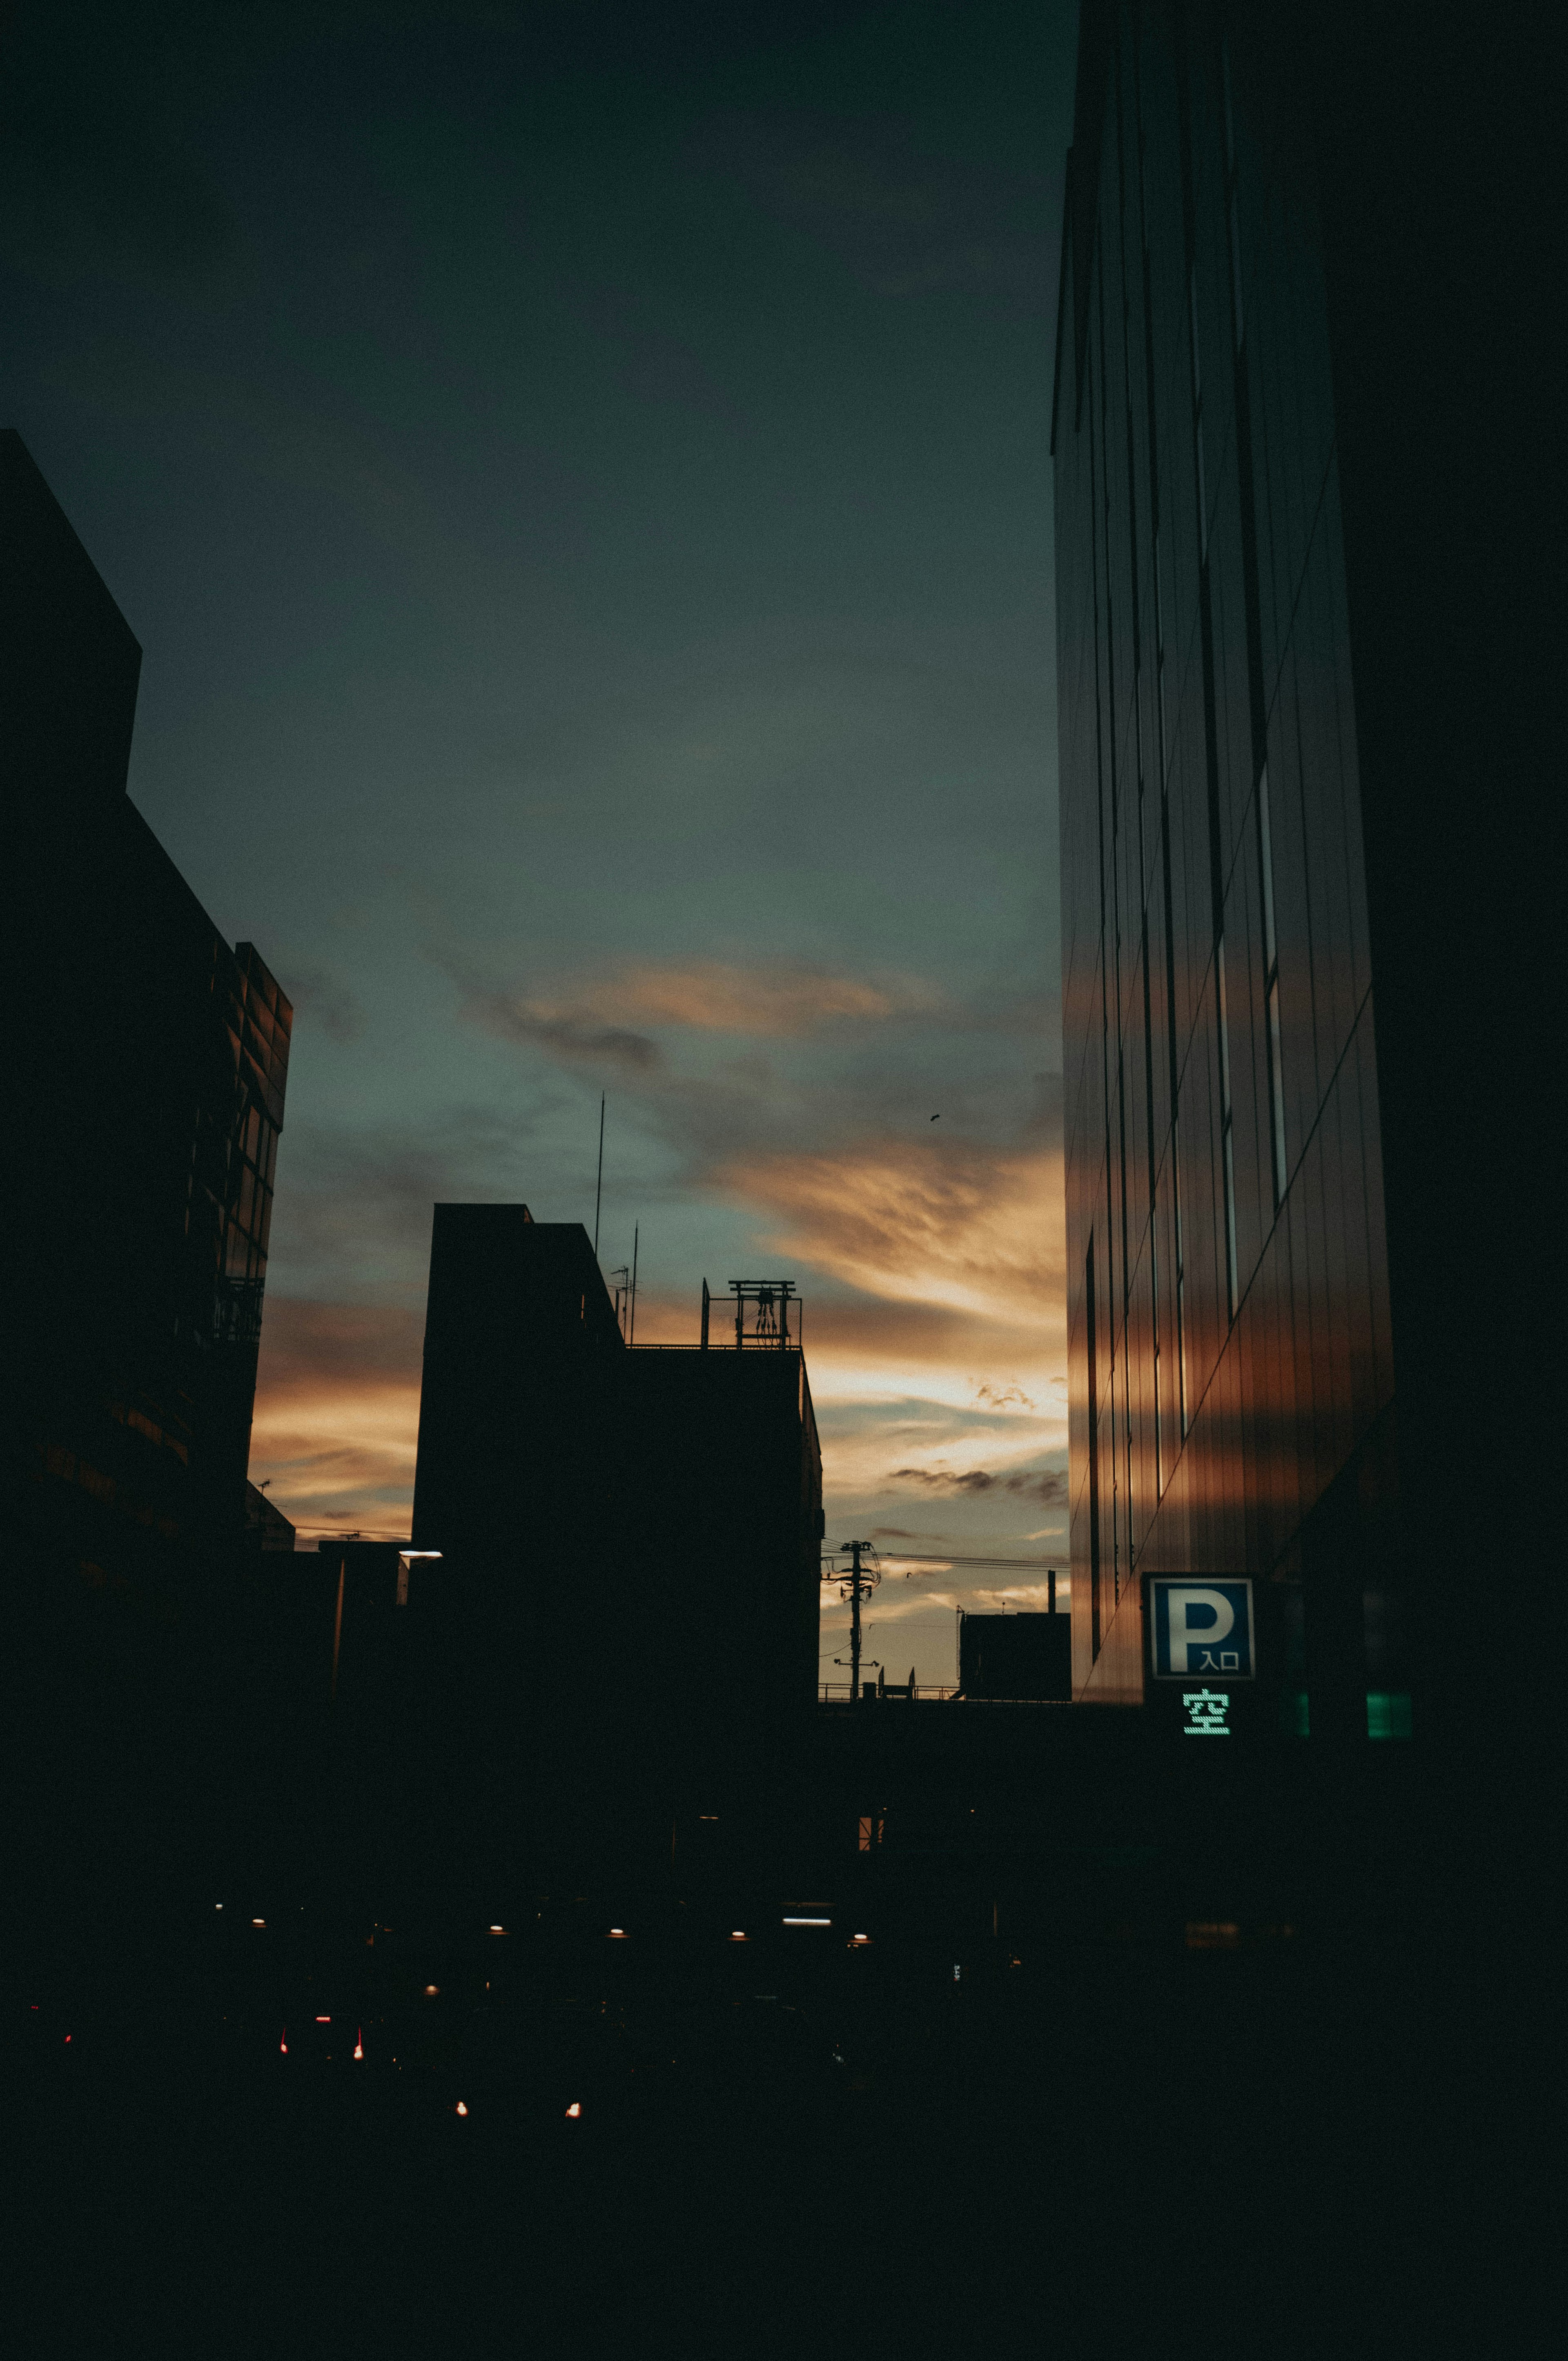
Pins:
<point x="283" y="2045"/>
<point x="359" y="2043"/>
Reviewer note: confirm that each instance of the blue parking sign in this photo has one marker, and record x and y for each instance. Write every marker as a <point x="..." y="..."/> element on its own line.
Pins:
<point x="1200" y="1625"/>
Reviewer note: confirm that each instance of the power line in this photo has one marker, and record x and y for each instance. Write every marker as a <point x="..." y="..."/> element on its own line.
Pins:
<point x="914" y="1557"/>
<point x="353" y="1532"/>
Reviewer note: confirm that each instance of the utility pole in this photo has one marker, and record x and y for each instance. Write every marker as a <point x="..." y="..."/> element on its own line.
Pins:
<point x="599" y="1184"/>
<point x="337" y="1618"/>
<point x="855" y="1622"/>
<point x="856" y="1584"/>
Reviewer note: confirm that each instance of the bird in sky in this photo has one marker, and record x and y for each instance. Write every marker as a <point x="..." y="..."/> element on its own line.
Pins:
<point x="935" y="1118"/>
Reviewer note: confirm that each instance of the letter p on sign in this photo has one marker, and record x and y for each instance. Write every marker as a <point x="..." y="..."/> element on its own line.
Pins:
<point x="1198" y="1618"/>
<point x="1200" y="1626"/>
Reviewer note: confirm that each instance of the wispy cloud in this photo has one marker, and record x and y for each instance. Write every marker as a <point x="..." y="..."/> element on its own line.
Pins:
<point x="769" y="1003"/>
<point x="322" y="997"/>
<point x="598" y="1019"/>
<point x="576" y="1035"/>
<point x="354" y="1205"/>
<point x="941" y="1479"/>
<point x="338" y="1413"/>
<point x="945" y="1224"/>
<point x="1046" y="1484"/>
<point x="930" y="1258"/>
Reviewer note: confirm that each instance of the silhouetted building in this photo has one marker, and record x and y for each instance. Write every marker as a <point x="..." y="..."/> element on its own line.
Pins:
<point x="374" y="1618"/>
<point x="630" y="1535"/>
<point x="1022" y="1657"/>
<point x="147" y="1067"/>
<point x="1288" y="683"/>
<point x="267" y="1528"/>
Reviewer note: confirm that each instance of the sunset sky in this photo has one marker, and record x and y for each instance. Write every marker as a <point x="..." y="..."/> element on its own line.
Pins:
<point x="579" y="477"/>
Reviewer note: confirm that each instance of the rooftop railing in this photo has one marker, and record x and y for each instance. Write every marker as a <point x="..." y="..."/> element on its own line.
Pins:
<point x="842" y="1693"/>
<point x="725" y="1344"/>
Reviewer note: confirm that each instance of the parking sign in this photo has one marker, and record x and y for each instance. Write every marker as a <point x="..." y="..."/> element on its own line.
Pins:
<point x="1200" y="1625"/>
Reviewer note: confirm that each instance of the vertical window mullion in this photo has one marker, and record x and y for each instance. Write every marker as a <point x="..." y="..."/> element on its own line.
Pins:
<point x="1271" y="994"/>
<point x="1231" y="1273"/>
<point x="1091" y="1341"/>
<point x="1163" y="756"/>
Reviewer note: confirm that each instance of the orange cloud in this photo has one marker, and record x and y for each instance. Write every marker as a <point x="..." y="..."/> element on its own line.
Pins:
<point x="944" y="1375"/>
<point x="937" y="1358"/>
<point x="772" y="1002"/>
<point x="338" y="1413"/>
<point x="768" y="1003"/>
<point x="945" y="1224"/>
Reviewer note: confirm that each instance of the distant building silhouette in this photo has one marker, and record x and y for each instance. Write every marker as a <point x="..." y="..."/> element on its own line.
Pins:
<point x="1293" y="846"/>
<point x="629" y="1535"/>
<point x="267" y="1528"/>
<point x="1017" y="1657"/>
<point x="147" y="1067"/>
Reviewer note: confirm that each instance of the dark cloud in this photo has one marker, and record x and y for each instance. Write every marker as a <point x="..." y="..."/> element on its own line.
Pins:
<point x="352" y="1215"/>
<point x="1049" y="1486"/>
<point x="975" y="1481"/>
<point x="709" y="1109"/>
<point x="904" y="221"/>
<point x="322" y="999"/>
<point x="308" y="1344"/>
<point x="576" y="1041"/>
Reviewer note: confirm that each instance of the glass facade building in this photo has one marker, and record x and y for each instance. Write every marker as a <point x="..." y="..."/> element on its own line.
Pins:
<point x="146" y="1088"/>
<point x="1272" y="701"/>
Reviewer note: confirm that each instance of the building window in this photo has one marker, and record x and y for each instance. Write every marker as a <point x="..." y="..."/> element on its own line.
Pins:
<point x="1388" y="1713"/>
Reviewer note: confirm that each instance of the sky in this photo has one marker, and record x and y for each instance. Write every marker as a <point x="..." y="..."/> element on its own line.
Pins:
<point x="579" y="476"/>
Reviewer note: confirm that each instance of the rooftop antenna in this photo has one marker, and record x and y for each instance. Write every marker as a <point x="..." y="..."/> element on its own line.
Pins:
<point x="599" y="1184"/>
<point x="633" y="1337"/>
<point x="770" y="1300"/>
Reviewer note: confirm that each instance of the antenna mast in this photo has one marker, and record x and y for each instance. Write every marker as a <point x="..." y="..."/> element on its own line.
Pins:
<point x="599" y="1184"/>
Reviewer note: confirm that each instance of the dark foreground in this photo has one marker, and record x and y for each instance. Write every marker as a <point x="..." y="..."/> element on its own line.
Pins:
<point x="1149" y="2137"/>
